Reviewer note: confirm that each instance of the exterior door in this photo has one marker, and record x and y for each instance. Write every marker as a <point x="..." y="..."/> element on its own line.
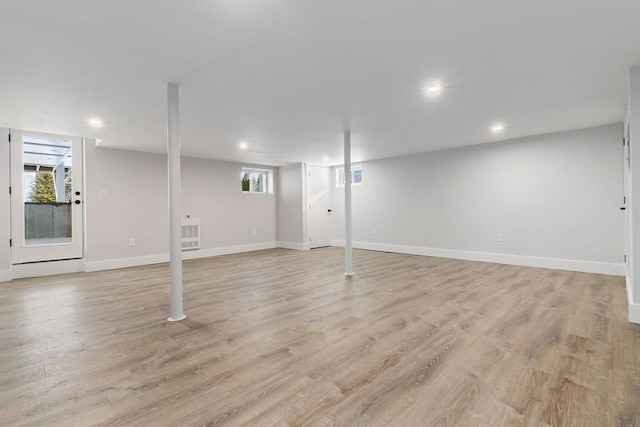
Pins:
<point x="319" y="206"/>
<point x="46" y="197"/>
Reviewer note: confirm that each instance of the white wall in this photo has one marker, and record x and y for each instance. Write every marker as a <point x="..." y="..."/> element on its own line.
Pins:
<point x="137" y="206"/>
<point x="5" y="224"/>
<point x="291" y="207"/>
<point x="212" y="191"/>
<point x="554" y="197"/>
<point x="633" y="288"/>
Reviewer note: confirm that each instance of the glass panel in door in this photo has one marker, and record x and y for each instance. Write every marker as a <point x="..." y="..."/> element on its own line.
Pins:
<point x="48" y="216"/>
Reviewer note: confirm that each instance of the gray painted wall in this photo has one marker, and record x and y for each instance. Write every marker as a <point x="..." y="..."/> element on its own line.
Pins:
<point x="137" y="204"/>
<point x="555" y="196"/>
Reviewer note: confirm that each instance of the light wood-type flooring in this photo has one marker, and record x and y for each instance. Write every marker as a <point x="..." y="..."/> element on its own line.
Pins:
<point x="281" y="337"/>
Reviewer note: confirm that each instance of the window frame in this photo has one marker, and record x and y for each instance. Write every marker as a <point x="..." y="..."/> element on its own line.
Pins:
<point x="340" y="181"/>
<point x="267" y="184"/>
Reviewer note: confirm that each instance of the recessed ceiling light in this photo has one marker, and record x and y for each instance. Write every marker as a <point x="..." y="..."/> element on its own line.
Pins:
<point x="433" y="90"/>
<point x="96" y="123"/>
<point x="497" y="128"/>
<point x="243" y="145"/>
<point x="325" y="158"/>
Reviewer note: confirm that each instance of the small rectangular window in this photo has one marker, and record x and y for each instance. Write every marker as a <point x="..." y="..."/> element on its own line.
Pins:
<point x="256" y="180"/>
<point x="356" y="176"/>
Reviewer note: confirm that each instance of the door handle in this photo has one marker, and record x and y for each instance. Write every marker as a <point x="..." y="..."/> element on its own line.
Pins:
<point x="624" y="208"/>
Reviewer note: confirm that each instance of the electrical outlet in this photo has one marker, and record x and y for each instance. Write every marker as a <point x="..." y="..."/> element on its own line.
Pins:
<point x="253" y="232"/>
<point x="500" y="237"/>
<point x="132" y="241"/>
<point x="374" y="231"/>
<point x="103" y="194"/>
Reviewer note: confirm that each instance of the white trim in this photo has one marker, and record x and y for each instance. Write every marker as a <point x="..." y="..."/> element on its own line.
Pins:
<point x="5" y="275"/>
<point x="227" y="250"/>
<point x="48" y="268"/>
<point x="305" y="200"/>
<point x="294" y="245"/>
<point x="634" y="309"/>
<point x="111" y="264"/>
<point x="526" y="261"/>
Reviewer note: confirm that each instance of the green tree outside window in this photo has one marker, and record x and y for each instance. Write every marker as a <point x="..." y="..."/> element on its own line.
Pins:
<point x="43" y="189"/>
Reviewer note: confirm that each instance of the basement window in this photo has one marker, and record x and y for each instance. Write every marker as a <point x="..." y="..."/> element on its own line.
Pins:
<point x="356" y="176"/>
<point x="256" y="180"/>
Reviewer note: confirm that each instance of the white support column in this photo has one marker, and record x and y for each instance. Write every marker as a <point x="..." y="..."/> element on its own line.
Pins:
<point x="348" y="232"/>
<point x="175" y="235"/>
<point x="633" y="277"/>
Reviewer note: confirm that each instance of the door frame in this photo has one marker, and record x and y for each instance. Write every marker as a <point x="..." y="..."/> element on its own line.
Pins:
<point x="323" y="207"/>
<point x="25" y="254"/>
<point x="626" y="206"/>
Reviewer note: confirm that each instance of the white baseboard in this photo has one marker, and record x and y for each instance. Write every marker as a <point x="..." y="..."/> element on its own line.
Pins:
<point x="111" y="264"/>
<point x="5" y="275"/>
<point x="227" y="250"/>
<point x="294" y="245"/>
<point x="49" y="268"/>
<point x="526" y="261"/>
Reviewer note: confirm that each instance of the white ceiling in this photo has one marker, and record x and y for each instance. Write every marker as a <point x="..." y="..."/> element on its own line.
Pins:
<point x="283" y="75"/>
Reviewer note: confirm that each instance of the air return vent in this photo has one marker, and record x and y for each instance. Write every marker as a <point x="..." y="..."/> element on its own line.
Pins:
<point x="190" y="234"/>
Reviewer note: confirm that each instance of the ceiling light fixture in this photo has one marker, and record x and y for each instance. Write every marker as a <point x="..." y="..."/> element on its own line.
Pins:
<point x="497" y="128"/>
<point x="96" y="123"/>
<point x="243" y="145"/>
<point x="325" y="158"/>
<point x="433" y="90"/>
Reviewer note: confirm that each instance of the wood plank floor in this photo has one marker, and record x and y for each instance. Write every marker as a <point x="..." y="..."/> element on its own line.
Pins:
<point x="281" y="337"/>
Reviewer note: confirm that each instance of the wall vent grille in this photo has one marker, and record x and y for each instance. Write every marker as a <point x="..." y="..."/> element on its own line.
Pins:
<point x="190" y="234"/>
